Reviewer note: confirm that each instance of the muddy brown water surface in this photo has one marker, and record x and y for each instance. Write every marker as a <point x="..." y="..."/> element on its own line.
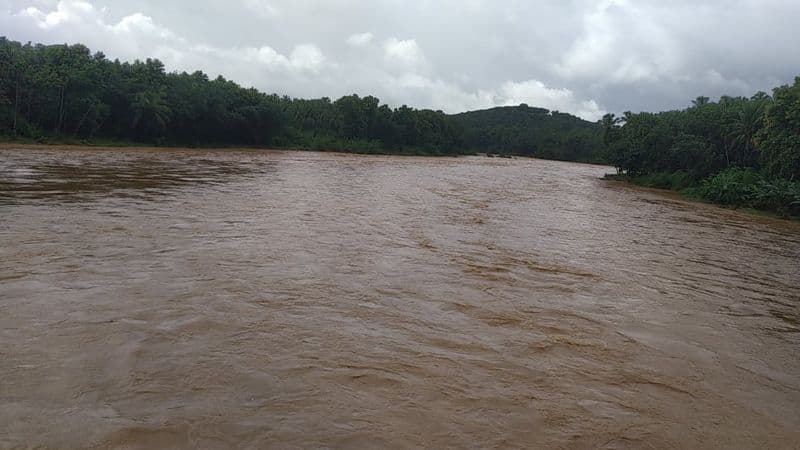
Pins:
<point x="213" y="299"/>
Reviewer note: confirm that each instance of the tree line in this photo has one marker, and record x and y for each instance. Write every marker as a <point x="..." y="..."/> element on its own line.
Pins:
<point x="737" y="151"/>
<point x="66" y="93"/>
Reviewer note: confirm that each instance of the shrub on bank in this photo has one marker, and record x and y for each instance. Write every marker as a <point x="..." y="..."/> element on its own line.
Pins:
<point x="675" y="181"/>
<point x="748" y="188"/>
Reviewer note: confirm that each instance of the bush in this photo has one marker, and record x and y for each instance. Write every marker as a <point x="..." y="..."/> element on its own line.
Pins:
<point x="675" y="181"/>
<point x="747" y="188"/>
<point x="731" y="187"/>
<point x="779" y="195"/>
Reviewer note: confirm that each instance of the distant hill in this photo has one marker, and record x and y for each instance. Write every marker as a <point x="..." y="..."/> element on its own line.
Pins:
<point x="528" y="131"/>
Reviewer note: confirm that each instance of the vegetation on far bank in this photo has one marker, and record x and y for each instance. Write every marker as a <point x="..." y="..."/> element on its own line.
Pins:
<point x="67" y="94"/>
<point x="738" y="152"/>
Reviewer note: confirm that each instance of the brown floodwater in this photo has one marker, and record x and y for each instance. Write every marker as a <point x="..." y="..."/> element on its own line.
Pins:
<point x="217" y="299"/>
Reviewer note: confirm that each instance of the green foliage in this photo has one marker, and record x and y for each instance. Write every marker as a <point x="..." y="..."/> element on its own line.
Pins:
<point x="780" y="137"/>
<point x="692" y="154"/>
<point x="150" y="113"/>
<point x="675" y="181"/>
<point x="536" y="132"/>
<point x="747" y="188"/>
<point x="738" y="151"/>
<point x="64" y="93"/>
<point x="742" y="127"/>
<point x="731" y="187"/>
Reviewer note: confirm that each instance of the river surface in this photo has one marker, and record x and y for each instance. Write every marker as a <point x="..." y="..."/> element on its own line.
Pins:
<point x="218" y="299"/>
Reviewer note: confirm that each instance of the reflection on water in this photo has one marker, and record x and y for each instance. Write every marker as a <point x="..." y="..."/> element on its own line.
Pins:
<point x="167" y="298"/>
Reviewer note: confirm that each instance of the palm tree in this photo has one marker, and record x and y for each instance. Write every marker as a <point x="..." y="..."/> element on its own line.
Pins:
<point x="150" y="113"/>
<point x="742" y="131"/>
<point x="700" y="101"/>
<point x="609" y="123"/>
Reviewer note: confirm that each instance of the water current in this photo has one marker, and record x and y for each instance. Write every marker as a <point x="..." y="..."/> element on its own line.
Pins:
<point x="251" y="299"/>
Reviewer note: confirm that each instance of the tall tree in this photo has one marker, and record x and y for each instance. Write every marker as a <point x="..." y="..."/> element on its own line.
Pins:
<point x="780" y="138"/>
<point x="150" y="113"/>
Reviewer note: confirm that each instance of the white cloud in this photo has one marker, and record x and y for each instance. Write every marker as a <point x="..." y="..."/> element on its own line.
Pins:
<point x="264" y="55"/>
<point x="436" y="93"/>
<point x="303" y="58"/>
<point x="452" y="98"/>
<point x="66" y="11"/>
<point x="307" y="57"/>
<point x="404" y="53"/>
<point x="138" y="23"/>
<point x="621" y="43"/>
<point x="536" y="93"/>
<point x="262" y="8"/>
<point x="360" y="40"/>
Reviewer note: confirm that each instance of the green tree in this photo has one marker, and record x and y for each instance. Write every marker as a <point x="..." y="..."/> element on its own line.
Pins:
<point x="150" y="114"/>
<point x="780" y="138"/>
<point x="742" y="131"/>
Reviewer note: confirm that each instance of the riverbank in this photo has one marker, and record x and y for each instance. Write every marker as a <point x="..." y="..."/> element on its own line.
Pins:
<point x="352" y="147"/>
<point x="740" y="189"/>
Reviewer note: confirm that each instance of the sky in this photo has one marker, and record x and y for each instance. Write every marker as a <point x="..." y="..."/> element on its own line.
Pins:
<point x="585" y="57"/>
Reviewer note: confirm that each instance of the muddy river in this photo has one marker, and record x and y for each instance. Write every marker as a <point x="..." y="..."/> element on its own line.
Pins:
<point x="217" y="299"/>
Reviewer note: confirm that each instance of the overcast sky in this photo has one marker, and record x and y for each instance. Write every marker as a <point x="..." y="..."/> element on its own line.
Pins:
<point x="586" y="57"/>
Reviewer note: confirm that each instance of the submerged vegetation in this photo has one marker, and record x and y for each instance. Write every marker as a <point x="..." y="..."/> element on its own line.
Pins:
<point x="741" y="152"/>
<point x="65" y="93"/>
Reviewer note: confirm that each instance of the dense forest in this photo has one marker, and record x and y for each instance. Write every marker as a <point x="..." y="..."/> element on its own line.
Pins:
<point x="536" y="132"/>
<point x="66" y="93"/>
<point x="738" y="151"/>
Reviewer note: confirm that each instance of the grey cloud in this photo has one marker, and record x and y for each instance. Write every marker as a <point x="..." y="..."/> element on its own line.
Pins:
<point x="580" y="56"/>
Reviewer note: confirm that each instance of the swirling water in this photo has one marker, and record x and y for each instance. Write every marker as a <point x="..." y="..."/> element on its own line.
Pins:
<point x="214" y="299"/>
